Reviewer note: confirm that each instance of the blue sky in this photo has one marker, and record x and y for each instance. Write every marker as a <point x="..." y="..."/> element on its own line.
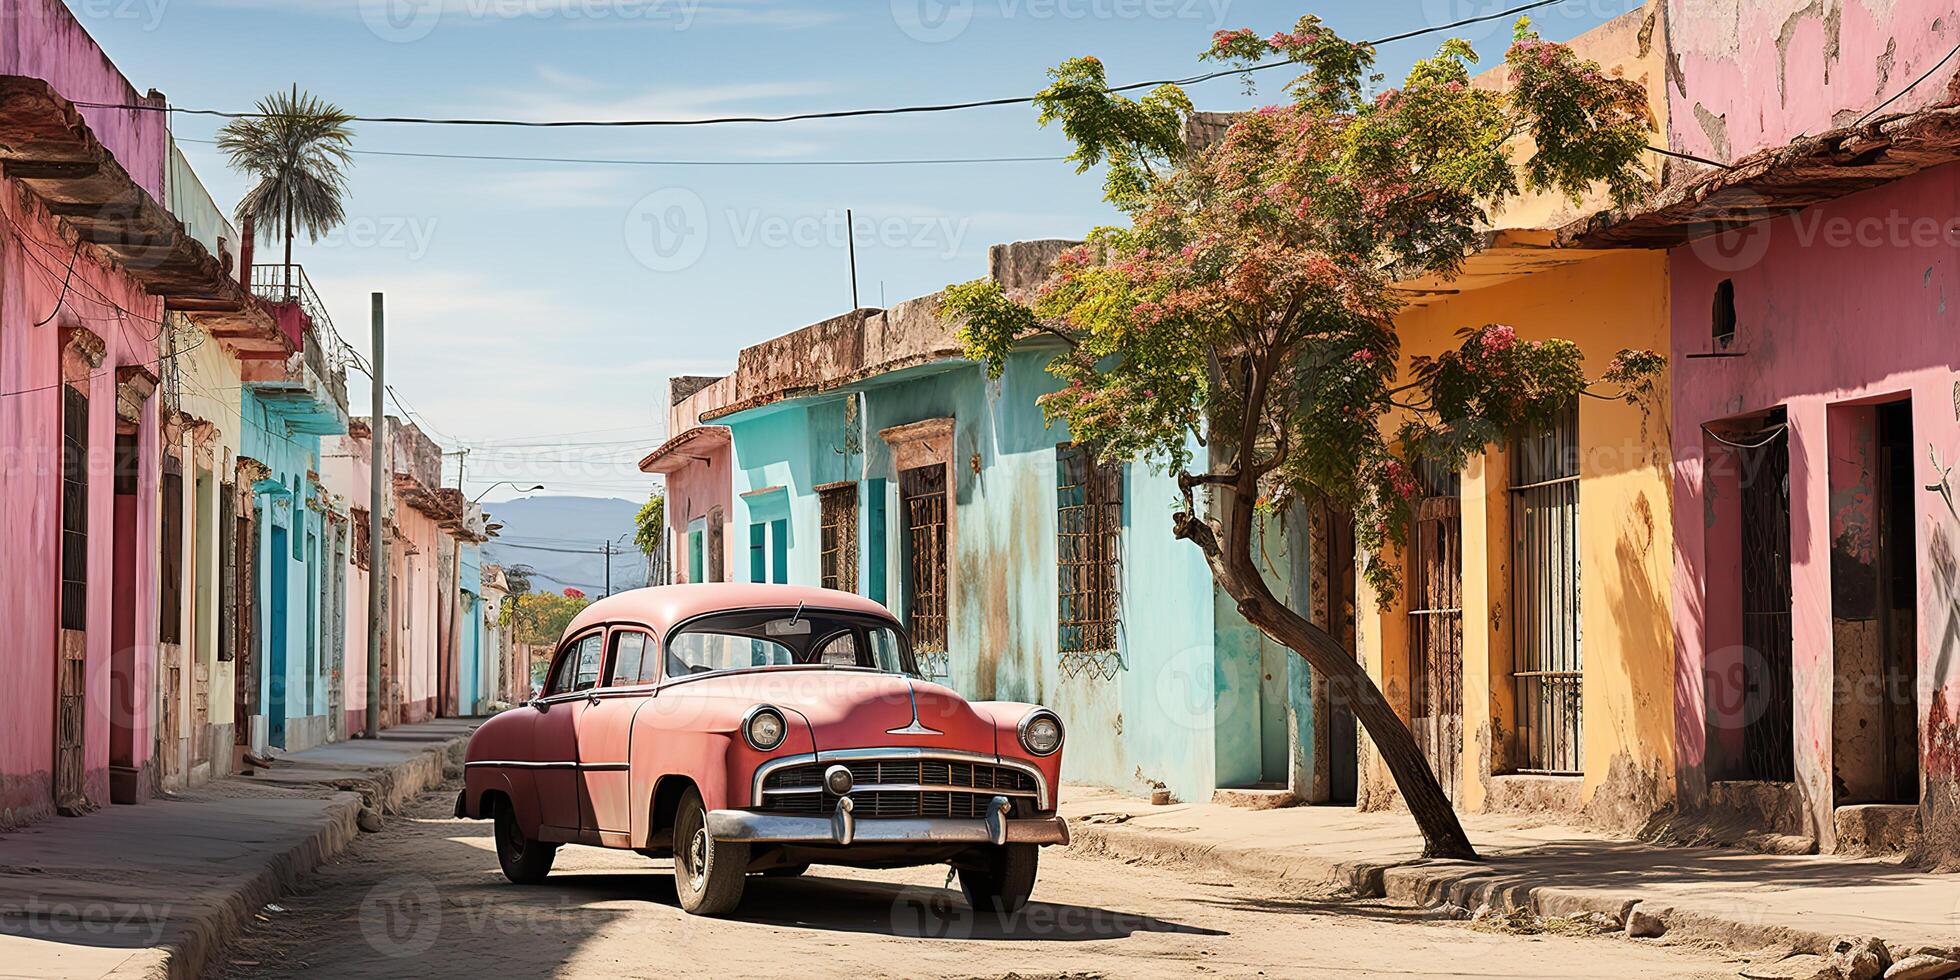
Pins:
<point x="537" y="309"/>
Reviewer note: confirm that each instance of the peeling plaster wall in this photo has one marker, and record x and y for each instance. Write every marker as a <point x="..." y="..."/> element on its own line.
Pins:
<point x="1159" y="719"/>
<point x="1746" y="76"/>
<point x="1826" y="320"/>
<point x="44" y="40"/>
<point x="1610" y="302"/>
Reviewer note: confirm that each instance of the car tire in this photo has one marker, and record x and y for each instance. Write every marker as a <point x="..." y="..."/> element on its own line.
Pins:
<point x="708" y="874"/>
<point x="525" y="861"/>
<point x="1005" y="879"/>
<point x="785" y="871"/>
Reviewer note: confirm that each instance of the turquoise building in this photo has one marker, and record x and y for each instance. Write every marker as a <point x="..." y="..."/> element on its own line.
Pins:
<point x="300" y="532"/>
<point x="867" y="454"/>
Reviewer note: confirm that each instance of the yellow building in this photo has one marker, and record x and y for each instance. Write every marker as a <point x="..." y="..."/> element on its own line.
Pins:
<point x="1531" y="646"/>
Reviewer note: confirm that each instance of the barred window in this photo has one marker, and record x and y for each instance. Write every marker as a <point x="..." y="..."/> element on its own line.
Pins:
<point x="1545" y="601"/>
<point x="74" y="509"/>
<point x="1088" y="557"/>
<point x="924" y="490"/>
<point x="170" y="564"/>
<point x="838" y="566"/>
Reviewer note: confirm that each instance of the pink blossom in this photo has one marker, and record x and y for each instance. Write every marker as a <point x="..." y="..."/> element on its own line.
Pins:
<point x="1498" y="339"/>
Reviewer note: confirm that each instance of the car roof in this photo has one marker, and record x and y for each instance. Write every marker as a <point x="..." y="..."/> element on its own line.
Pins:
<point x="663" y="606"/>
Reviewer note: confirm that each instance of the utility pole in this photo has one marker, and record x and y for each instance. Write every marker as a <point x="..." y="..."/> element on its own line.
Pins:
<point x="608" y="568"/>
<point x="377" y="551"/>
<point x="851" y="237"/>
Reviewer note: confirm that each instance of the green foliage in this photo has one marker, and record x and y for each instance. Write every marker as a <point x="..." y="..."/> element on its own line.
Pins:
<point x="540" y="618"/>
<point x="1249" y="304"/>
<point x="297" y="146"/>
<point x="650" y="524"/>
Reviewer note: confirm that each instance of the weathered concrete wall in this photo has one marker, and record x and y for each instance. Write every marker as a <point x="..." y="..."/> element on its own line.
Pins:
<point x="1748" y="76"/>
<point x="1843" y="303"/>
<point x="1625" y="544"/>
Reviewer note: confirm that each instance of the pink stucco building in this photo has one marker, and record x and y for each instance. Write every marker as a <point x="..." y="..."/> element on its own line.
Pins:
<point x="694" y="461"/>
<point x="90" y="263"/>
<point x="1815" y="417"/>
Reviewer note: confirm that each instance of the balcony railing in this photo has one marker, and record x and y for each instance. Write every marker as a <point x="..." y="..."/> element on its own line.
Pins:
<point x="270" y="282"/>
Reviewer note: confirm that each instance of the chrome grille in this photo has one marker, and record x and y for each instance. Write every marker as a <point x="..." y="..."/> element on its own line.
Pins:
<point x="916" y="788"/>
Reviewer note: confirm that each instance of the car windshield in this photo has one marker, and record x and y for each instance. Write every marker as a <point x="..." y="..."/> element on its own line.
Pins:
<point x="786" y="638"/>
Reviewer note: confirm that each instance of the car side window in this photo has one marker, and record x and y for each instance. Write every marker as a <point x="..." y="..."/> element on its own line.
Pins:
<point x="839" y="651"/>
<point x="579" y="669"/>
<point x="629" y="660"/>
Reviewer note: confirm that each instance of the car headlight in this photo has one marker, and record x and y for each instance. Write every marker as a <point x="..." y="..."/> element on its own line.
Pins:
<point x="764" y="727"/>
<point x="1041" y="732"/>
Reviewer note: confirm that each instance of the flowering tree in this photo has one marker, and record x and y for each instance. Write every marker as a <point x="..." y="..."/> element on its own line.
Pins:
<point x="1248" y="307"/>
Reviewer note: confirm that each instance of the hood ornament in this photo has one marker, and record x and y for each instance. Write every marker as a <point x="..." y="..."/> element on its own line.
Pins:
<point x="914" y="728"/>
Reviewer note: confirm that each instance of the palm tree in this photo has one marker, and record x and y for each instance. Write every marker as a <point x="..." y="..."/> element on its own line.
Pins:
<point x="297" y="146"/>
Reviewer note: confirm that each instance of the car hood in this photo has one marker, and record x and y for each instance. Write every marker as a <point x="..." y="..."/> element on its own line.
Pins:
<point x="854" y="709"/>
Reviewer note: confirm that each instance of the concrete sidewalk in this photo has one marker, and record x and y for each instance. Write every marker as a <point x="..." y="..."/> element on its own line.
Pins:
<point x="153" y="890"/>
<point x="1740" y="899"/>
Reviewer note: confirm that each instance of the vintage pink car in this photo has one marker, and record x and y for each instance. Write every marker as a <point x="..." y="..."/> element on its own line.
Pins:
<point x="746" y="729"/>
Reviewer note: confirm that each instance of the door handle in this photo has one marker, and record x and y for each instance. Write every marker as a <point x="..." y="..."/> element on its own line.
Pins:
<point x="592" y="699"/>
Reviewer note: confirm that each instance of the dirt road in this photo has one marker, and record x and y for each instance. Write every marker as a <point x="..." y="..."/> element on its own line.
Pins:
<point x="423" y="899"/>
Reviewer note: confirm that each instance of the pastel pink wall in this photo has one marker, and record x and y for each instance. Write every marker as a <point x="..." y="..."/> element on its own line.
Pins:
<point x="1744" y="75"/>
<point x="42" y="39"/>
<point x="1849" y="301"/>
<point x="33" y="262"/>
<point x="695" y="490"/>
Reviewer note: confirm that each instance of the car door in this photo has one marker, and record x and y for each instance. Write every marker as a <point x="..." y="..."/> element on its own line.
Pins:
<point x="561" y="795"/>
<point x="605" y="734"/>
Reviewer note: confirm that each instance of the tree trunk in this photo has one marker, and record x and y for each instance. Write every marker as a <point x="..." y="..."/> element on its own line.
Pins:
<point x="1235" y="571"/>
<point x="289" y="251"/>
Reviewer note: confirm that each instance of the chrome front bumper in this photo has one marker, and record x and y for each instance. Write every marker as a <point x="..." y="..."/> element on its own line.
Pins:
<point x="844" y="828"/>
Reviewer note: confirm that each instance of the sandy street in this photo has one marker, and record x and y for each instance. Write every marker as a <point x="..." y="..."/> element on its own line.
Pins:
<point x="423" y="899"/>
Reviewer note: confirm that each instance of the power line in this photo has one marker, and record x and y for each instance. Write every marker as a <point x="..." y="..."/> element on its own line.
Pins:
<point x="629" y="162"/>
<point x="1915" y="84"/>
<point x="823" y="115"/>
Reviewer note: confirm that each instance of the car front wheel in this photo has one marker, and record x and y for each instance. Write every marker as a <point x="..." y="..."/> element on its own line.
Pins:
<point x="1004" y="879"/>
<point x="525" y="861"/>
<point x="708" y="874"/>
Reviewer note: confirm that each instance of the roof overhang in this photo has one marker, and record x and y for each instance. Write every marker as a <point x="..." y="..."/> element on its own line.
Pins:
<point x="47" y="146"/>
<point x="1504" y="255"/>
<point x="686" y="449"/>
<point x="1779" y="181"/>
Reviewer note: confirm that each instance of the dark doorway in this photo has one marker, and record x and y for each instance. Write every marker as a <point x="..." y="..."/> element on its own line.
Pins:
<point x="1768" y="748"/>
<point x="1874" y="619"/>
<point x="126" y="697"/>
<point x="1435" y="571"/>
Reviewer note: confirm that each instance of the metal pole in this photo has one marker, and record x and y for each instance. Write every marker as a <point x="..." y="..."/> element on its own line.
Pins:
<point x="609" y="568"/>
<point x="851" y="236"/>
<point x="377" y="550"/>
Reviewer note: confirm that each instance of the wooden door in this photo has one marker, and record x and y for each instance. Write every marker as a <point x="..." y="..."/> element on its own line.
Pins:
<point x="1436" y="630"/>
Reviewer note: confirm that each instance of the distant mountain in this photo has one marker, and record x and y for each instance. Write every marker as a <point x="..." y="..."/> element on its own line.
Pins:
<point x="562" y="539"/>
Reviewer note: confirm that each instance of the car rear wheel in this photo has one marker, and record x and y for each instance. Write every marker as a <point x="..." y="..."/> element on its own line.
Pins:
<point x="708" y="874"/>
<point x="1004" y="880"/>
<point x="525" y="861"/>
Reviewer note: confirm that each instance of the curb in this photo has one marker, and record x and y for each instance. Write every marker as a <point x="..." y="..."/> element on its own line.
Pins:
<point x="221" y="918"/>
<point x="1432" y="884"/>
